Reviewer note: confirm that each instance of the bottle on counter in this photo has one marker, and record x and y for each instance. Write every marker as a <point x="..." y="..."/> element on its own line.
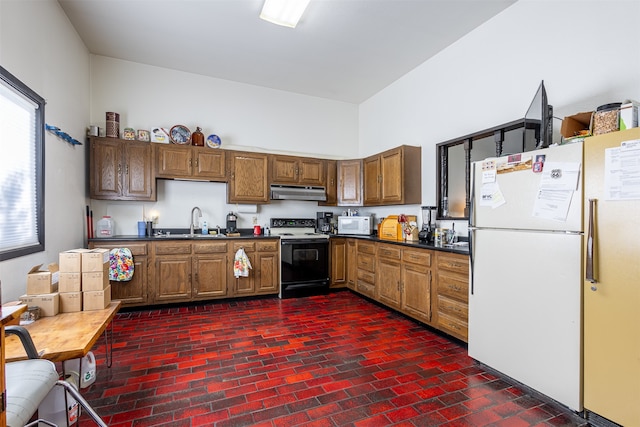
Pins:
<point x="197" y="138"/>
<point x="104" y="227"/>
<point x="205" y="228"/>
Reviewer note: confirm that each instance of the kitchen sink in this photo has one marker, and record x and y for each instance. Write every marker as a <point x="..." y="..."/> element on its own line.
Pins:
<point x="189" y="236"/>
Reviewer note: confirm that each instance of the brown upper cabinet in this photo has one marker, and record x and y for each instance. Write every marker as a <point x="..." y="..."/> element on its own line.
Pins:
<point x="248" y="177"/>
<point x="393" y="177"/>
<point x="121" y="170"/>
<point x="185" y="161"/>
<point x="297" y="170"/>
<point x="349" y="182"/>
<point x="331" y="184"/>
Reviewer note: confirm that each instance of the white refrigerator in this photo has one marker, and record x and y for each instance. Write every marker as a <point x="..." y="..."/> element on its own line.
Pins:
<point x="525" y="289"/>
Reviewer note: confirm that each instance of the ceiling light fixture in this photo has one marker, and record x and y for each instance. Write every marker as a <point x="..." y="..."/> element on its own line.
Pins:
<point x="283" y="12"/>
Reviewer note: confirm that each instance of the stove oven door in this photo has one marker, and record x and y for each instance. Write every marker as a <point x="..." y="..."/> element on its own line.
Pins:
<point x="305" y="263"/>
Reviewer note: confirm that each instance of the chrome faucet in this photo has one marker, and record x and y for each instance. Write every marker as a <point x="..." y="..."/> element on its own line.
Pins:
<point x="192" y="225"/>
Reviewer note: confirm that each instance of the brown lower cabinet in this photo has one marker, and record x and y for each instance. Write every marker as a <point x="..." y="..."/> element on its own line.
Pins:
<point x="338" y="262"/>
<point x="428" y="285"/>
<point x="190" y="270"/>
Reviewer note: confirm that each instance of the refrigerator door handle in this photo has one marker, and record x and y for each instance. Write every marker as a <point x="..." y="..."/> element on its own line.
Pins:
<point x="590" y="270"/>
<point x="471" y="230"/>
<point x="472" y="225"/>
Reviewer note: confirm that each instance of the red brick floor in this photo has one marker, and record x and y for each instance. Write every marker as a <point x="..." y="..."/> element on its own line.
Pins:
<point x="333" y="360"/>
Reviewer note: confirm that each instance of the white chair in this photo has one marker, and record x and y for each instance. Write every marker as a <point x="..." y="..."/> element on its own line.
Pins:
<point x="29" y="381"/>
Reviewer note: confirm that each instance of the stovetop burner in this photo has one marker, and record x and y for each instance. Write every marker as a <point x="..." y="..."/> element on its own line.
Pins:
<point x="295" y="228"/>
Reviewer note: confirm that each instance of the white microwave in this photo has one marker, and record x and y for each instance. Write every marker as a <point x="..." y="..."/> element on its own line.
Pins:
<point x="362" y="225"/>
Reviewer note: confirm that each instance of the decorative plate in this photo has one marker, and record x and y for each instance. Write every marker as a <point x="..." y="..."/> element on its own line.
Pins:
<point x="180" y="135"/>
<point x="213" y="141"/>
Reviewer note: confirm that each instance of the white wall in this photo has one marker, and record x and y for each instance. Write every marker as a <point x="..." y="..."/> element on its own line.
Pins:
<point x="244" y="116"/>
<point x="587" y="53"/>
<point x="39" y="46"/>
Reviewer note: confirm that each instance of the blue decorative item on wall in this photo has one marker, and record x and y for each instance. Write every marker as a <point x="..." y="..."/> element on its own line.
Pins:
<point x="62" y="135"/>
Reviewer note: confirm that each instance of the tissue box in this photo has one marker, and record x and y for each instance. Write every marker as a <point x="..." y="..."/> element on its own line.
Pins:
<point x="42" y="281"/>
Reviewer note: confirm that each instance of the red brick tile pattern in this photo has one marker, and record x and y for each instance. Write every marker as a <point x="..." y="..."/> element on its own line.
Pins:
<point x="331" y="360"/>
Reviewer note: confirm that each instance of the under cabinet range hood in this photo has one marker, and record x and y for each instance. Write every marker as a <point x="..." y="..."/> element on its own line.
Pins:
<point x="298" y="192"/>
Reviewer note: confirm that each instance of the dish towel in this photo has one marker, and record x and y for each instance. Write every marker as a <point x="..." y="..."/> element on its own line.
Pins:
<point x="121" y="264"/>
<point x="241" y="264"/>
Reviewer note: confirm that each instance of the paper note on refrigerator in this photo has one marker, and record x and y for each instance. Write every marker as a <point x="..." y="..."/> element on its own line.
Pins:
<point x="560" y="176"/>
<point x="622" y="171"/>
<point x="491" y="195"/>
<point x="552" y="204"/>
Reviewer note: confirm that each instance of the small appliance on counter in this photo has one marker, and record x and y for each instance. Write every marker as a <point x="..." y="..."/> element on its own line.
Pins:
<point x="428" y="224"/>
<point x="359" y="225"/>
<point x="323" y="222"/>
<point x="232" y="223"/>
<point x="391" y="228"/>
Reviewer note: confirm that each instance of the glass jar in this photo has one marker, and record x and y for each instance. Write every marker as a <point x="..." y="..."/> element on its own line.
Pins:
<point x="197" y="138"/>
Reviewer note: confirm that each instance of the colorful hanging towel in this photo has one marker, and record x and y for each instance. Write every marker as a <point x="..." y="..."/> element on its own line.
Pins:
<point x="121" y="264"/>
<point x="241" y="264"/>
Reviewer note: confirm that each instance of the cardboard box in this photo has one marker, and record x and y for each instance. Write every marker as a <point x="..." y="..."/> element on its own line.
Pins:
<point x="95" y="281"/>
<point x="71" y="261"/>
<point x="49" y="303"/>
<point x="41" y="281"/>
<point x="578" y="125"/>
<point x="629" y="115"/>
<point x="96" y="300"/>
<point x="70" y="302"/>
<point x="70" y="282"/>
<point x="95" y="259"/>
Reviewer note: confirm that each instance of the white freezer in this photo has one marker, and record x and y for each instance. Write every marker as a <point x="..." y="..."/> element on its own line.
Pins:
<point x="525" y="309"/>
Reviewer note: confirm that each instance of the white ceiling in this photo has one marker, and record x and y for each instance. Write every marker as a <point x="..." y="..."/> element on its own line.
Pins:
<point x="345" y="50"/>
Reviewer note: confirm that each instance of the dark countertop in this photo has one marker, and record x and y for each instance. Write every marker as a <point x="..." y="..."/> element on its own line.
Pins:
<point x="248" y="234"/>
<point x="463" y="250"/>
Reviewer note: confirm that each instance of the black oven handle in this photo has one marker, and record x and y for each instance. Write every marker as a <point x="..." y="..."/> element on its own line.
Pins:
<point x="303" y="241"/>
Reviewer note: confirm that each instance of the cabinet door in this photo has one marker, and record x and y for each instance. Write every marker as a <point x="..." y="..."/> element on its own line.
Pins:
<point x="173" y="278"/>
<point x="245" y="286"/>
<point x="338" y="262"/>
<point x="210" y="275"/>
<point x="372" y="180"/>
<point x="416" y="291"/>
<point x="352" y="267"/>
<point x="388" y="277"/>
<point x="331" y="184"/>
<point x="138" y="178"/>
<point x="210" y="164"/>
<point x="311" y="171"/>
<point x="173" y="161"/>
<point x="105" y="166"/>
<point x="392" y="179"/>
<point x="133" y="292"/>
<point x="284" y="169"/>
<point x="267" y="274"/>
<point x="349" y="182"/>
<point x="248" y="180"/>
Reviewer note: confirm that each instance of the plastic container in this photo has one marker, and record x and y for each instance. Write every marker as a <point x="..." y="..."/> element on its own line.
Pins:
<point x="205" y="228"/>
<point x="54" y="409"/>
<point x="105" y="226"/>
<point x="88" y="374"/>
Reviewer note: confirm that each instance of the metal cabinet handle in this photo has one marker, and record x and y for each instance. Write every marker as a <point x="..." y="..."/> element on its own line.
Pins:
<point x="590" y="270"/>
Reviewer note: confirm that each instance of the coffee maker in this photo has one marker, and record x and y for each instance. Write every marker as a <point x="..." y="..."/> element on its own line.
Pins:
<point x="323" y="222"/>
<point x="232" y="223"/>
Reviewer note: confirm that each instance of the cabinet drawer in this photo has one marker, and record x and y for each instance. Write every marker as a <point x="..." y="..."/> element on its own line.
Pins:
<point x="453" y="326"/>
<point x="248" y="246"/>
<point x="366" y="248"/>
<point x="172" y="248"/>
<point x="365" y="276"/>
<point x="366" y="288"/>
<point x="366" y="262"/>
<point x="210" y="248"/>
<point x="453" y="287"/>
<point x="453" y="308"/>
<point x="136" y="248"/>
<point x="268" y="246"/>
<point x="419" y="257"/>
<point x="453" y="263"/>
<point x="389" y="251"/>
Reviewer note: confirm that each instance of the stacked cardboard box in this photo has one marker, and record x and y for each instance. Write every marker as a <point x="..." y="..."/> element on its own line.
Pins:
<point x="96" y="291"/>
<point x="42" y="289"/>
<point x="70" y="287"/>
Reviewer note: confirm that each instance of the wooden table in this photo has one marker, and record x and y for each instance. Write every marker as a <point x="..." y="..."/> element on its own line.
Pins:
<point x="64" y="336"/>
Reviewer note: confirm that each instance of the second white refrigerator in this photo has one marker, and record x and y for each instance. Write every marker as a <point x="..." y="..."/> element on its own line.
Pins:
<point x="526" y="250"/>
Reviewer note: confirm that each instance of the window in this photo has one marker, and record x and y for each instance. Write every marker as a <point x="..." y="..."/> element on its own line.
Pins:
<point x="21" y="168"/>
